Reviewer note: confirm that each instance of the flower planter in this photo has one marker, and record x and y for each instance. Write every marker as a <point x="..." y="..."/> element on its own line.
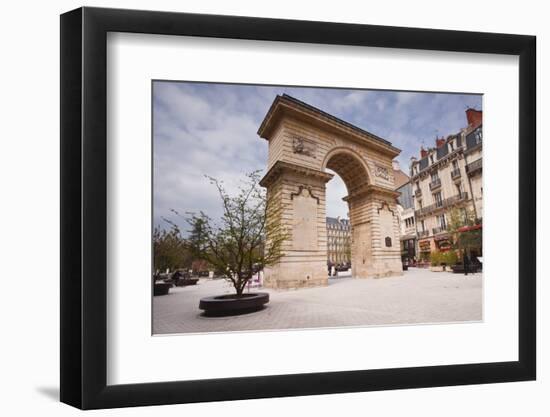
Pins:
<point x="459" y="269"/>
<point x="161" y="288"/>
<point x="437" y="268"/>
<point x="231" y="304"/>
<point x="187" y="281"/>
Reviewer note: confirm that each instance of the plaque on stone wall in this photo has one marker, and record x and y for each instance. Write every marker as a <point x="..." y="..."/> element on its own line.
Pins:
<point x="386" y="225"/>
<point x="304" y="225"/>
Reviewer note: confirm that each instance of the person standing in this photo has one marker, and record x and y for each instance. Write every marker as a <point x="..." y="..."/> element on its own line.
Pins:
<point x="466" y="261"/>
<point x="176" y="277"/>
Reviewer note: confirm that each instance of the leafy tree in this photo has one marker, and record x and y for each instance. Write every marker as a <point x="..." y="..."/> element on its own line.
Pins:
<point x="169" y="249"/>
<point x="194" y="243"/>
<point x="247" y="237"/>
<point x="464" y="241"/>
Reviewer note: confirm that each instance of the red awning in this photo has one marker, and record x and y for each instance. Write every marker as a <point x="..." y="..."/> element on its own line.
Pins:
<point x="469" y="228"/>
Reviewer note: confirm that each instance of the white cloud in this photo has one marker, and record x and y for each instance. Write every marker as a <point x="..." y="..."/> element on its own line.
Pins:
<point x="211" y="129"/>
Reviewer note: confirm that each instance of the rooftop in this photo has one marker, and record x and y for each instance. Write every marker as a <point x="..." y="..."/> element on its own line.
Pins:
<point x="335" y="220"/>
<point x="400" y="178"/>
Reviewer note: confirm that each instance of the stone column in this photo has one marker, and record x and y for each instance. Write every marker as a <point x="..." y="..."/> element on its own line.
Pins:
<point x="375" y="249"/>
<point x="301" y="194"/>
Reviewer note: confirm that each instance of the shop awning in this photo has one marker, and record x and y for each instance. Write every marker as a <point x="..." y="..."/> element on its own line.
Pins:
<point x="469" y="228"/>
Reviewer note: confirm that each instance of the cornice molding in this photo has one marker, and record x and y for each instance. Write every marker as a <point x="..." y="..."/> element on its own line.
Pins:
<point x="281" y="167"/>
<point x="287" y="106"/>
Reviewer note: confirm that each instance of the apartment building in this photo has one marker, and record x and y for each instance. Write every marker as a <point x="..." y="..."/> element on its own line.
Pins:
<point x="338" y="240"/>
<point x="447" y="176"/>
<point x="405" y="213"/>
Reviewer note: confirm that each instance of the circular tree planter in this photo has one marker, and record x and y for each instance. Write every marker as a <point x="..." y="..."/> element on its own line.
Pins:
<point x="232" y="304"/>
<point x="161" y="288"/>
<point x="187" y="281"/>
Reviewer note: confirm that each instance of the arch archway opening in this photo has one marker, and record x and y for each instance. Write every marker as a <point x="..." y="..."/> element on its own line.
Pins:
<point x="349" y="168"/>
<point x="349" y="175"/>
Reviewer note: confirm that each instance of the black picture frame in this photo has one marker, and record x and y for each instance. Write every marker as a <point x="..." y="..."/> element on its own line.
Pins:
<point x="84" y="207"/>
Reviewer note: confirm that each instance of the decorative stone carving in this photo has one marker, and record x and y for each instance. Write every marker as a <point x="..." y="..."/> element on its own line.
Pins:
<point x="381" y="172"/>
<point x="303" y="147"/>
<point x="386" y="226"/>
<point x="300" y="189"/>
<point x="385" y="204"/>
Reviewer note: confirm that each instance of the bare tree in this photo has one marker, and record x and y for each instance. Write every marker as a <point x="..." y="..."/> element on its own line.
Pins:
<point x="248" y="236"/>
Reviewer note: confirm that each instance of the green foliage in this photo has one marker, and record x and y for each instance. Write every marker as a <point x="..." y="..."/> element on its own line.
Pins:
<point x="443" y="258"/>
<point x="248" y="237"/>
<point x="435" y="258"/>
<point x="424" y="256"/>
<point x="169" y="249"/>
<point x="449" y="258"/>
<point x="464" y="241"/>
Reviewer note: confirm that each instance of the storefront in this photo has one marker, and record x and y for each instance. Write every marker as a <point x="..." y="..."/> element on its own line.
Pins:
<point x="424" y="248"/>
<point x="443" y="243"/>
<point x="473" y="238"/>
<point x="408" y="248"/>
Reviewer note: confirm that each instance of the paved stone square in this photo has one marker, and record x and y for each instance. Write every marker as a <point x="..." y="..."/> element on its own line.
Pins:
<point x="418" y="296"/>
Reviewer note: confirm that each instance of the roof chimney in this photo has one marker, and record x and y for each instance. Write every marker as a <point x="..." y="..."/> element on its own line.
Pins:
<point x="474" y="117"/>
<point x="439" y="142"/>
<point x="423" y="152"/>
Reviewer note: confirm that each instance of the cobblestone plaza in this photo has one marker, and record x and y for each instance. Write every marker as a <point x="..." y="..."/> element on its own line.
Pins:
<point x="420" y="296"/>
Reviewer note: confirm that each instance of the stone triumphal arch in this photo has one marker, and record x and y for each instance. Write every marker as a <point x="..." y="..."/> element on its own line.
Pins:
<point x="303" y="143"/>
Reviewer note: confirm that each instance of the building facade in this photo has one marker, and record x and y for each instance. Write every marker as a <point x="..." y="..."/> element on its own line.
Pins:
<point x="445" y="177"/>
<point x="338" y="240"/>
<point x="405" y="213"/>
<point x="407" y="222"/>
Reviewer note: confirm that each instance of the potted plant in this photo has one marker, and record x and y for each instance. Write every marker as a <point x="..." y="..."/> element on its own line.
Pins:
<point x="159" y="286"/>
<point x="183" y="279"/>
<point x="436" y="260"/>
<point x="241" y="243"/>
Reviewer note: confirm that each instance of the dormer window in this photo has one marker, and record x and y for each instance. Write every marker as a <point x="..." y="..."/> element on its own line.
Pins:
<point x="431" y="159"/>
<point x="452" y="145"/>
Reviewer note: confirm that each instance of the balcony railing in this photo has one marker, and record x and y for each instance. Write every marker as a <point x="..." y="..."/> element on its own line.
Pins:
<point x="474" y="166"/>
<point x="455" y="173"/>
<point x="423" y="233"/>
<point x="440" y="229"/>
<point x="418" y="192"/>
<point x="459" y="198"/>
<point x="435" y="184"/>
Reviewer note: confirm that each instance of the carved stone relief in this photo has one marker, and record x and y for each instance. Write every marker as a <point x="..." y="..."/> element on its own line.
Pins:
<point x="304" y="147"/>
<point x="381" y="172"/>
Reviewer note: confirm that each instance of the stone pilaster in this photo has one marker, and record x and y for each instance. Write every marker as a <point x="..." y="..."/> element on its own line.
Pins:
<point x="300" y="192"/>
<point x="375" y="233"/>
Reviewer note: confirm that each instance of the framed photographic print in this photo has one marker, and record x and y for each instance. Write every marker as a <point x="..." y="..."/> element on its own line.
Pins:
<point x="258" y="208"/>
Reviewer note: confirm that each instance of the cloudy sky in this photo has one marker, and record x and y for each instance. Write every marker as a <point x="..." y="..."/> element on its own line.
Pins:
<point x="202" y="128"/>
